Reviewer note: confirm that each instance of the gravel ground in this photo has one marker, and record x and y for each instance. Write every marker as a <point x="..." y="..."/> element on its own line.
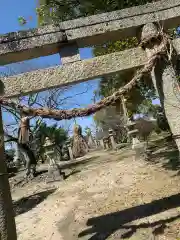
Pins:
<point x="109" y="195"/>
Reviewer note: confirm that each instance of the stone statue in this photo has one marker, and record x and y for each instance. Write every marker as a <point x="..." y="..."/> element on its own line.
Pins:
<point x="80" y="147"/>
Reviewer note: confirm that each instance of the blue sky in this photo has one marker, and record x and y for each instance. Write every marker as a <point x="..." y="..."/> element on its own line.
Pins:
<point x="10" y="11"/>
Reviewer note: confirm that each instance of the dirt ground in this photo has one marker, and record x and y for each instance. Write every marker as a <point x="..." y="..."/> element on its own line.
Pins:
<point x="113" y="196"/>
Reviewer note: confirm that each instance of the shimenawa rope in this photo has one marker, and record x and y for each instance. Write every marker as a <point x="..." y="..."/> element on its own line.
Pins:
<point x="81" y="112"/>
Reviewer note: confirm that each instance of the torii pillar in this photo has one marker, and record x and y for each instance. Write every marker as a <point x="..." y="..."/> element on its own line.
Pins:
<point x="7" y="221"/>
<point x="165" y="82"/>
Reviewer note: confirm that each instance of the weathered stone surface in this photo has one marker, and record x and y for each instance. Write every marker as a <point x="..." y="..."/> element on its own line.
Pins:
<point x="7" y="220"/>
<point x="120" y="14"/>
<point x="33" y="32"/>
<point x="87" y="31"/>
<point x="165" y="82"/>
<point x="73" y="73"/>
<point x="30" y="47"/>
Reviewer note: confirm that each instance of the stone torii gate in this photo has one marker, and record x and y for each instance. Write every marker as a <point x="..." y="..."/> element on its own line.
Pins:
<point x="66" y="39"/>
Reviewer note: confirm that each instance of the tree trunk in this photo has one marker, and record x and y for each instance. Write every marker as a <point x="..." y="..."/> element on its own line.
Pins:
<point x="7" y="222"/>
<point x="165" y="82"/>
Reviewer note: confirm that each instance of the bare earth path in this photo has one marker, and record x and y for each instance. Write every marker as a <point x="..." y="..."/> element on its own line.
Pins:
<point x="109" y="197"/>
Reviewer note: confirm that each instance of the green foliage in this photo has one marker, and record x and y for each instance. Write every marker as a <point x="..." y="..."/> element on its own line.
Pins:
<point x="146" y="108"/>
<point x="109" y="84"/>
<point x="157" y="112"/>
<point x="107" y="118"/>
<point x="57" y="134"/>
<point x="53" y="11"/>
<point x="111" y="47"/>
<point x="143" y="90"/>
<point x="22" y="21"/>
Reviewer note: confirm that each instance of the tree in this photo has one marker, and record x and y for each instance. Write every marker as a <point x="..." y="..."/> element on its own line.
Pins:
<point x="56" y="134"/>
<point x="108" y="118"/>
<point x="53" y="99"/>
<point x="143" y="90"/>
<point x="156" y="111"/>
<point x="53" y="11"/>
<point x="145" y="128"/>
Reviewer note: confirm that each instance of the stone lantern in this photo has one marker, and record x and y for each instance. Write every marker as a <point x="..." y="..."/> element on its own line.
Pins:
<point x="54" y="170"/>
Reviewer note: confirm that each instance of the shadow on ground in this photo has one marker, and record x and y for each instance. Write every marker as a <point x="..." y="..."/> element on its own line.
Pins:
<point x="168" y="158"/>
<point x="88" y="161"/>
<point x="71" y="173"/>
<point x="38" y="173"/>
<point x="104" y="226"/>
<point x="27" y="203"/>
<point x="78" y="163"/>
<point x="165" y="151"/>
